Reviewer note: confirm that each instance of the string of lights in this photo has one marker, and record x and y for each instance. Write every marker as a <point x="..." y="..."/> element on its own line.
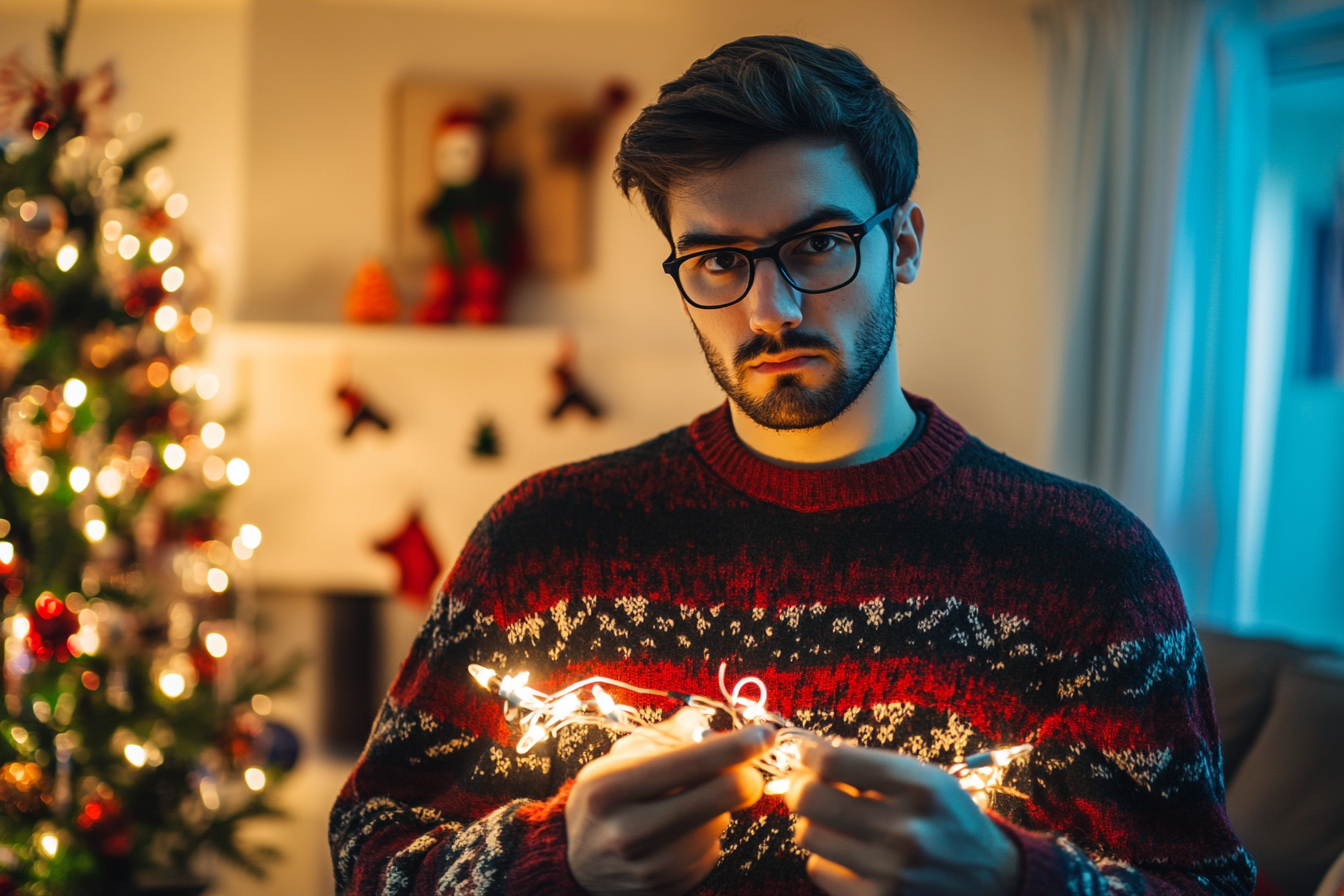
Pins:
<point x="541" y="716"/>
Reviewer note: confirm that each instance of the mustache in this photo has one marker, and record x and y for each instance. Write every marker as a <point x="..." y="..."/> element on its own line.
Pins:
<point x="765" y="344"/>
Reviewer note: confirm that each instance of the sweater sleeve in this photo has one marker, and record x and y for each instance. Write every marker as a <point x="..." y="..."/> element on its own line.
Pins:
<point x="1124" y="791"/>
<point x="440" y="802"/>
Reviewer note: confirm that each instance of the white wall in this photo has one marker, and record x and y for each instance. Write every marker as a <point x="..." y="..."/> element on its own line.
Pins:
<point x="976" y="333"/>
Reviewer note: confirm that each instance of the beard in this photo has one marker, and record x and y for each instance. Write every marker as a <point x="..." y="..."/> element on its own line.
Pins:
<point x="791" y="405"/>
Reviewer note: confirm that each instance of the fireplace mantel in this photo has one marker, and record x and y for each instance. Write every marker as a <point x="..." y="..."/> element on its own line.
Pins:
<point x="322" y="500"/>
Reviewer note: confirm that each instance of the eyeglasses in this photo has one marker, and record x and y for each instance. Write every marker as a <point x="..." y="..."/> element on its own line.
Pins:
<point x="813" y="262"/>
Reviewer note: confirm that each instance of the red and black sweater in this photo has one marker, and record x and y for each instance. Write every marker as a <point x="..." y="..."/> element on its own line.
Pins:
<point x="941" y="601"/>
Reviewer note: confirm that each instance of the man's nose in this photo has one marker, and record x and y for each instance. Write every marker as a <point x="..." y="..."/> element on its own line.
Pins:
<point x="772" y="302"/>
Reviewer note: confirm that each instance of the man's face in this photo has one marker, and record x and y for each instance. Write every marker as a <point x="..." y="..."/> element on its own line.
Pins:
<point x="792" y="360"/>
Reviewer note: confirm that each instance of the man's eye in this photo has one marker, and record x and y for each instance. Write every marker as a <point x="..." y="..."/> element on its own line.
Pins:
<point x="819" y="244"/>
<point x="721" y="262"/>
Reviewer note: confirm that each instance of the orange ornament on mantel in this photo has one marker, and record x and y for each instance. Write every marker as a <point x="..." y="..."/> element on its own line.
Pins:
<point x="372" y="298"/>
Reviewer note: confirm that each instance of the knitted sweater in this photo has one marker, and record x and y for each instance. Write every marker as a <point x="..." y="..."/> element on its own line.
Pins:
<point x="940" y="601"/>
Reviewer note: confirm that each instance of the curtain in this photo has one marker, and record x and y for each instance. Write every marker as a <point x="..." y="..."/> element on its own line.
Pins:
<point x="1165" y="235"/>
<point x="1120" y="76"/>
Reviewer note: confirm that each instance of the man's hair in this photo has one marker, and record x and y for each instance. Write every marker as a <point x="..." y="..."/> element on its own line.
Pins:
<point x="758" y="90"/>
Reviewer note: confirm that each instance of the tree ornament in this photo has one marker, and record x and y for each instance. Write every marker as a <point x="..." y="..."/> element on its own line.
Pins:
<point x="372" y="298"/>
<point x="26" y="309"/>
<point x="417" y="562"/>
<point x="51" y="628"/>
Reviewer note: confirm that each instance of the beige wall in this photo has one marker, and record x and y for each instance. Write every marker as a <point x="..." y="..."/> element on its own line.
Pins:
<point x="278" y="107"/>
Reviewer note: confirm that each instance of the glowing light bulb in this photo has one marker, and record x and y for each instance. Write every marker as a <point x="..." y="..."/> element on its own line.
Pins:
<point x="238" y="471"/>
<point x="535" y="735"/>
<point x="165" y="318"/>
<point x="566" y="705"/>
<point x="75" y="392"/>
<point x="216" y="644"/>
<point x="480" y="673"/>
<point x="6" y="553"/>
<point x="176" y="205"/>
<point x="172" y="684"/>
<point x="213" y="469"/>
<point x="207" y="385"/>
<point x="173" y="278"/>
<point x="183" y="378"/>
<point x="109" y="482"/>
<point x="160" y="249"/>
<point x="174" y="456"/>
<point x="605" y="704"/>
<point x="212" y="434"/>
<point x="777" y="786"/>
<point x="251" y="537"/>
<point x="202" y="320"/>
<point x="20" y="626"/>
<point x="240" y="550"/>
<point x="28" y="211"/>
<point x="79" y="479"/>
<point x="50" y="843"/>
<point x="255" y="778"/>
<point x="135" y="754"/>
<point x="128" y="246"/>
<point x="95" y="530"/>
<point x="218" y="580"/>
<point x="112" y="231"/>
<point x="261" y="704"/>
<point x="38" y="481"/>
<point x="66" y="258"/>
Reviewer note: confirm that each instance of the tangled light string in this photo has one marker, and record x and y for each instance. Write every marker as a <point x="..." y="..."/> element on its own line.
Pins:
<point x="542" y="716"/>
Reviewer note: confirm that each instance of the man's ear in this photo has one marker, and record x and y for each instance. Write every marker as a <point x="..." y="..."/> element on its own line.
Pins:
<point x="909" y="226"/>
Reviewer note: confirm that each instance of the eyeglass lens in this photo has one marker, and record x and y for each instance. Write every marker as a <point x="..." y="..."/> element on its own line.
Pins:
<point x="814" y="262"/>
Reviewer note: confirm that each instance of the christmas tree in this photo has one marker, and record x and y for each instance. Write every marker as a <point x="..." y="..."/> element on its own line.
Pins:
<point x="135" y="736"/>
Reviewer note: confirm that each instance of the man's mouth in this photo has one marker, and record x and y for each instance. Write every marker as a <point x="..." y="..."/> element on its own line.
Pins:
<point x="787" y="362"/>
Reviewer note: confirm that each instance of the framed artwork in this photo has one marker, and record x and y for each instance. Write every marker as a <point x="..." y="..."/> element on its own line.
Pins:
<point x="488" y="183"/>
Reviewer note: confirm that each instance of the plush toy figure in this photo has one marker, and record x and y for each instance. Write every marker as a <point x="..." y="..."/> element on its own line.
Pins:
<point x="476" y="217"/>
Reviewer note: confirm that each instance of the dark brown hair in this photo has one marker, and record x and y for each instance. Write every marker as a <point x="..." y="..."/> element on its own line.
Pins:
<point x="757" y="90"/>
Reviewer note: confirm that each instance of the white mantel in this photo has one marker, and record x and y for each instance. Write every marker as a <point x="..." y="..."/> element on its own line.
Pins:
<point x="322" y="500"/>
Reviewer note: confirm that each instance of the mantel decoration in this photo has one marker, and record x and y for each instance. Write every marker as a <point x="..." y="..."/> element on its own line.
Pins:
<point x="134" y="739"/>
<point x="542" y="716"/>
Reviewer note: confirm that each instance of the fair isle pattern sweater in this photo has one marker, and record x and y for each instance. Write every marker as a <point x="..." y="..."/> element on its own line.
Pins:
<point x="940" y="601"/>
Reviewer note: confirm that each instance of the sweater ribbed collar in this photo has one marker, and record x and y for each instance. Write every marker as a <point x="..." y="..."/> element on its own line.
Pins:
<point x="887" y="479"/>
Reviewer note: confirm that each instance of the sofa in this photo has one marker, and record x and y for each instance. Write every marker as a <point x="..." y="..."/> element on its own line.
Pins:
<point x="1280" y="710"/>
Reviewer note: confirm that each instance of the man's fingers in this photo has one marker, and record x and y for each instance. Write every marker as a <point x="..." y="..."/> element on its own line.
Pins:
<point x="838" y="880"/>
<point x="635" y="779"/>
<point x="861" y="857"/>
<point x="651" y="824"/>
<point x="893" y="774"/>
<point x="873" y="816"/>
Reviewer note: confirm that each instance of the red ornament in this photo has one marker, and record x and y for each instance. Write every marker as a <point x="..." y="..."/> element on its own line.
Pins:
<point x="416" y="559"/>
<point x="205" y="665"/>
<point x="105" y="827"/>
<point x="51" y="629"/>
<point x="27" y="311"/>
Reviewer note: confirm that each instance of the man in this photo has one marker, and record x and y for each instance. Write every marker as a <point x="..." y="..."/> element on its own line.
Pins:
<point x="896" y="583"/>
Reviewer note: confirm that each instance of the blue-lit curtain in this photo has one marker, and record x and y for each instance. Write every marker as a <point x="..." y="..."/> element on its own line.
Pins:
<point x="1159" y="120"/>
<point x="1120" y="76"/>
<point x="1223" y="359"/>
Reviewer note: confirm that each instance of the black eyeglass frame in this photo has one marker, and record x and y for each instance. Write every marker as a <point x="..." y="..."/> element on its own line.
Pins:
<point x="856" y="232"/>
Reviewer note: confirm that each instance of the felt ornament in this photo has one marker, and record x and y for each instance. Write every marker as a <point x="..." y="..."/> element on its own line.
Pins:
<point x="571" y="394"/>
<point x="359" y="411"/>
<point x="417" y="562"/>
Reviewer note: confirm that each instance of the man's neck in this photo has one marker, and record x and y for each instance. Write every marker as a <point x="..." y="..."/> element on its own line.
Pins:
<point x="874" y="426"/>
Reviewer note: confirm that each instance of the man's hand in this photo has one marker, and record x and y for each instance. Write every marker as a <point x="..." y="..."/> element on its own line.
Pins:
<point x="646" y="818"/>
<point x="880" y="823"/>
